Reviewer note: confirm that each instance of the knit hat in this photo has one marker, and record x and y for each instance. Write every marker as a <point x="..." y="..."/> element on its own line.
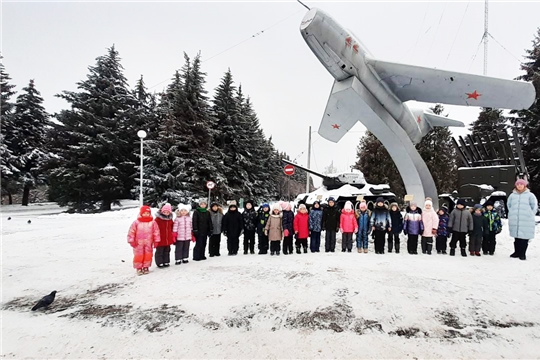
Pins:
<point x="348" y="206"/>
<point x="331" y="199"/>
<point x="144" y="209"/>
<point x="203" y="201"/>
<point x="488" y="203"/>
<point x="276" y="206"/>
<point x="302" y="206"/>
<point x="379" y="199"/>
<point x="166" y="207"/>
<point x="249" y="202"/>
<point x="477" y="207"/>
<point x="183" y="207"/>
<point x="428" y="202"/>
<point x="317" y="202"/>
<point x="522" y="182"/>
<point x="413" y="203"/>
<point x="214" y="204"/>
<point x="363" y="205"/>
<point x="394" y="204"/>
<point x="233" y="206"/>
<point x="461" y="202"/>
<point x="285" y="205"/>
<point x="265" y="205"/>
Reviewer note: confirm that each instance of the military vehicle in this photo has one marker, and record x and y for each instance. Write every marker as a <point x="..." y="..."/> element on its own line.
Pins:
<point x="491" y="165"/>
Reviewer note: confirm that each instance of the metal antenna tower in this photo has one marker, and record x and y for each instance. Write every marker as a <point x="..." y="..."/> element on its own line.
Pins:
<point x="485" y="37"/>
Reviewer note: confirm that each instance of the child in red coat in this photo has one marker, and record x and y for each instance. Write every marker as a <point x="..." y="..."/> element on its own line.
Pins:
<point x="142" y="236"/>
<point x="164" y="219"/>
<point x="348" y="226"/>
<point x="301" y="228"/>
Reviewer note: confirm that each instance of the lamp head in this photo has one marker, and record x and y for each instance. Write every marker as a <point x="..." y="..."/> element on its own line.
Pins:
<point x="141" y="134"/>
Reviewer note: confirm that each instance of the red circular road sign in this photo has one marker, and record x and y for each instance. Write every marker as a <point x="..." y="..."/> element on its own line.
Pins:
<point x="210" y="185"/>
<point x="288" y="170"/>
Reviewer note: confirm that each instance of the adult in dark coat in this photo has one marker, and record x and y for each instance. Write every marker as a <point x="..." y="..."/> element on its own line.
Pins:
<point x="397" y="228"/>
<point x="262" y="219"/>
<point x="330" y="223"/>
<point x="250" y="226"/>
<point x="232" y="227"/>
<point x="202" y="229"/>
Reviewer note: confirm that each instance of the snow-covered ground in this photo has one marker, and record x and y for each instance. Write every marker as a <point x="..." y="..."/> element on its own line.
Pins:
<point x="340" y="305"/>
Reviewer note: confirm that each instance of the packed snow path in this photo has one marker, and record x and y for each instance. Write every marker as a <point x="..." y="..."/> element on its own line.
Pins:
<point x="338" y="305"/>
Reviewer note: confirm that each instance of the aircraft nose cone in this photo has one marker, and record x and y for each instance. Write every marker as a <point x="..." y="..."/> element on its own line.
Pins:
<point x="308" y="18"/>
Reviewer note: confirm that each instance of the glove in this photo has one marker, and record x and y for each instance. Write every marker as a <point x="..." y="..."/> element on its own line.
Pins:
<point x="434" y="231"/>
<point x="193" y="238"/>
<point x="341" y="230"/>
<point x="286" y="232"/>
<point x="174" y="235"/>
<point x="133" y="244"/>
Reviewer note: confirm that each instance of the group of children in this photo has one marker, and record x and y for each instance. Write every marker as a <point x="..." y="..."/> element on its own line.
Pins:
<point x="282" y="225"/>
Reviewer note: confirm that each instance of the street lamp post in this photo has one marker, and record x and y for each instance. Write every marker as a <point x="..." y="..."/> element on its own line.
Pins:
<point x="141" y="134"/>
<point x="308" y="160"/>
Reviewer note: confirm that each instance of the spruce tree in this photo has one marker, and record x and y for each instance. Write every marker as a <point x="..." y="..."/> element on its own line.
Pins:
<point x="490" y="122"/>
<point x="376" y="164"/>
<point x="29" y="141"/>
<point x="229" y="136"/>
<point x="96" y="144"/>
<point x="527" y="121"/>
<point x="8" y="167"/>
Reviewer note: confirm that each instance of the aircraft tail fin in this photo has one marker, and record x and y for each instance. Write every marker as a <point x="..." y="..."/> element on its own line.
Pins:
<point x="437" y="120"/>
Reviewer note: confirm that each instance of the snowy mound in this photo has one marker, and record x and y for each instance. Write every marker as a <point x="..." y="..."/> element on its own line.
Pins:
<point x="337" y="305"/>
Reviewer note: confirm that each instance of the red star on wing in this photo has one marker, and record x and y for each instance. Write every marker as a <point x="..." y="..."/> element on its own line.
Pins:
<point x="419" y="119"/>
<point x="355" y="48"/>
<point x="335" y="126"/>
<point x="348" y="41"/>
<point x="473" y="95"/>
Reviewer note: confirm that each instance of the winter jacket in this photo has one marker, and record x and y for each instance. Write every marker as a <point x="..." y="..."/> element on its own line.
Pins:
<point x="380" y="219"/>
<point x="315" y="220"/>
<point x="233" y="223"/>
<point x="217" y="220"/>
<point x="480" y="225"/>
<point x="397" y="221"/>
<point x="262" y="219"/>
<point x="330" y="218"/>
<point x="522" y="208"/>
<point x="288" y="219"/>
<point x="442" y="229"/>
<point x="364" y="222"/>
<point x="301" y="225"/>
<point x="250" y="219"/>
<point x="274" y="228"/>
<point x="413" y="225"/>
<point x="430" y="222"/>
<point x="347" y="222"/>
<point x="183" y="227"/>
<point x="460" y="220"/>
<point x="143" y="231"/>
<point x="494" y="220"/>
<point x="202" y="222"/>
<point x="165" y="224"/>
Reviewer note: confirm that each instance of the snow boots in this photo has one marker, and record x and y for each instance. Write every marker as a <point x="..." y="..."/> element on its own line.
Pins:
<point x="298" y="250"/>
<point x="463" y="252"/>
<point x="452" y="251"/>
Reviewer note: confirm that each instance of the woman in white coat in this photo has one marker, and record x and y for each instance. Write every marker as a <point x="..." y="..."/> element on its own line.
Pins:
<point x="522" y="207"/>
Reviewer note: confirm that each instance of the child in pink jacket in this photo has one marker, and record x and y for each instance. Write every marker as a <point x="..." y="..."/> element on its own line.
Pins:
<point x="348" y="226"/>
<point x="182" y="230"/>
<point x="430" y="220"/>
<point x="142" y="236"/>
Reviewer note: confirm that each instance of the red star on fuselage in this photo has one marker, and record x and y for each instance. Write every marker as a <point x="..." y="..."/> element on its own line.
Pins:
<point x="335" y="126"/>
<point x="473" y="95"/>
<point x="348" y="41"/>
<point x="355" y="48"/>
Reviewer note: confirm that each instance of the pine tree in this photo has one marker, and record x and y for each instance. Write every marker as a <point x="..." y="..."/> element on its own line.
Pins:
<point x="439" y="154"/>
<point x="29" y="141"/>
<point x="8" y="168"/>
<point x="490" y="122"/>
<point x="97" y="143"/>
<point x="527" y="121"/>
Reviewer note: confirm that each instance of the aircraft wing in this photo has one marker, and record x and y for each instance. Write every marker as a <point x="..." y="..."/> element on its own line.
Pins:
<point x="410" y="82"/>
<point x="338" y="118"/>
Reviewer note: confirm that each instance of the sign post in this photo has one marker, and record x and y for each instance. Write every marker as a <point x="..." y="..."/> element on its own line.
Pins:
<point x="289" y="171"/>
<point x="210" y="185"/>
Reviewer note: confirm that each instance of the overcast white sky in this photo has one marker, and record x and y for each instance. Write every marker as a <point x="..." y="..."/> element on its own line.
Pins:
<point x="54" y="43"/>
